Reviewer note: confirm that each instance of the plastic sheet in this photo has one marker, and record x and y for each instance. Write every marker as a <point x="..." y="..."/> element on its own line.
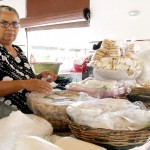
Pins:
<point x="109" y="113"/>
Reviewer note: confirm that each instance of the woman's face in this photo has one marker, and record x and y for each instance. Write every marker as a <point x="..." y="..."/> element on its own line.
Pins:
<point x="8" y="34"/>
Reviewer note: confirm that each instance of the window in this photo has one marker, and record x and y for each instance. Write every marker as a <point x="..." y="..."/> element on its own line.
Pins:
<point x="60" y="45"/>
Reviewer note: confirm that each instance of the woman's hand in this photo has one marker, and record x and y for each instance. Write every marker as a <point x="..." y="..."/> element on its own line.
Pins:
<point x="35" y="85"/>
<point x="49" y="76"/>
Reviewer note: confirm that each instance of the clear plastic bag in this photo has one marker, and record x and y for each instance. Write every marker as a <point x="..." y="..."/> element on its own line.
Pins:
<point x="99" y="89"/>
<point x="144" y="56"/>
<point x="109" y="113"/>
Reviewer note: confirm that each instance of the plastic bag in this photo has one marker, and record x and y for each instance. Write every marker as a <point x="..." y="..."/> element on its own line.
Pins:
<point x="109" y="113"/>
<point x="115" y="74"/>
<point x="144" y="56"/>
<point x="18" y="124"/>
<point x="99" y="89"/>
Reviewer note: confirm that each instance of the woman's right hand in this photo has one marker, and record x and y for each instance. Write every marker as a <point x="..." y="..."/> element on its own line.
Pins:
<point x="35" y="85"/>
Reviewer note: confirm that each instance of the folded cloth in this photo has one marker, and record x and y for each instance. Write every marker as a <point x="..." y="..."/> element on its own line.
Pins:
<point x="5" y="110"/>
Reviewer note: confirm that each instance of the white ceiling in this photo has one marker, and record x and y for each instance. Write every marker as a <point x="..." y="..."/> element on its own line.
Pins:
<point x="19" y="5"/>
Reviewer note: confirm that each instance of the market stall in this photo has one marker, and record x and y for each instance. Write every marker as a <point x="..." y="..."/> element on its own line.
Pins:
<point x="110" y="110"/>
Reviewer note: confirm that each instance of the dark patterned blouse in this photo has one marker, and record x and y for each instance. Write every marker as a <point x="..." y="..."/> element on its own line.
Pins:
<point x="15" y="69"/>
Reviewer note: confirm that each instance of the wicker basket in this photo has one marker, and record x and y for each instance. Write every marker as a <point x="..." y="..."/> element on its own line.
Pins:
<point x="141" y="90"/>
<point x="58" y="125"/>
<point x="110" y="139"/>
<point x="53" y="111"/>
<point x="140" y="94"/>
<point x="143" y="98"/>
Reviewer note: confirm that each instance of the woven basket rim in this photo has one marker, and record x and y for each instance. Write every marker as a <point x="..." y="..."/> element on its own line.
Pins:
<point x="148" y="88"/>
<point x="110" y="139"/>
<point x="91" y="128"/>
<point x="139" y="95"/>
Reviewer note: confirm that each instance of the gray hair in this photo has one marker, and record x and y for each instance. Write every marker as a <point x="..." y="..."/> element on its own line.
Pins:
<point x="4" y="8"/>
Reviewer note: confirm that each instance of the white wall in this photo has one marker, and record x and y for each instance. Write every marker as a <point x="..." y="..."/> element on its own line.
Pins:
<point x="19" y="5"/>
<point x="111" y="19"/>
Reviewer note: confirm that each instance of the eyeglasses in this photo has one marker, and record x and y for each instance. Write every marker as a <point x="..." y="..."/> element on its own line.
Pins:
<point x="6" y="24"/>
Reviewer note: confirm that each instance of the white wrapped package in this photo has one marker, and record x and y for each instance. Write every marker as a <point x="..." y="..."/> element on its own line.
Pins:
<point x="96" y="88"/>
<point x="69" y="143"/>
<point x="18" y="124"/>
<point x="144" y="56"/>
<point x="35" y="143"/>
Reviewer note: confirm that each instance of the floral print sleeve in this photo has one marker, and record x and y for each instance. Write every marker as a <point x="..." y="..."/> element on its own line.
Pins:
<point x="15" y="69"/>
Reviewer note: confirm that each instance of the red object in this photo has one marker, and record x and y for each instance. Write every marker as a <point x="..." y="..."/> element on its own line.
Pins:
<point x="83" y="67"/>
<point x="80" y="68"/>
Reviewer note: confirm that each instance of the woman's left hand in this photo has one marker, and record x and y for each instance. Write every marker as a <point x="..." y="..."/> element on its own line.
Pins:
<point x="49" y="76"/>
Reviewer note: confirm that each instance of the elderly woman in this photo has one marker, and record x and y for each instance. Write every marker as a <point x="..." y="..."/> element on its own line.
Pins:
<point x="16" y="75"/>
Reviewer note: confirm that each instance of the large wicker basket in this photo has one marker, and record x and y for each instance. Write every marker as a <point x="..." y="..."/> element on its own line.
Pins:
<point x="58" y="125"/>
<point x="52" y="110"/>
<point x="110" y="139"/>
